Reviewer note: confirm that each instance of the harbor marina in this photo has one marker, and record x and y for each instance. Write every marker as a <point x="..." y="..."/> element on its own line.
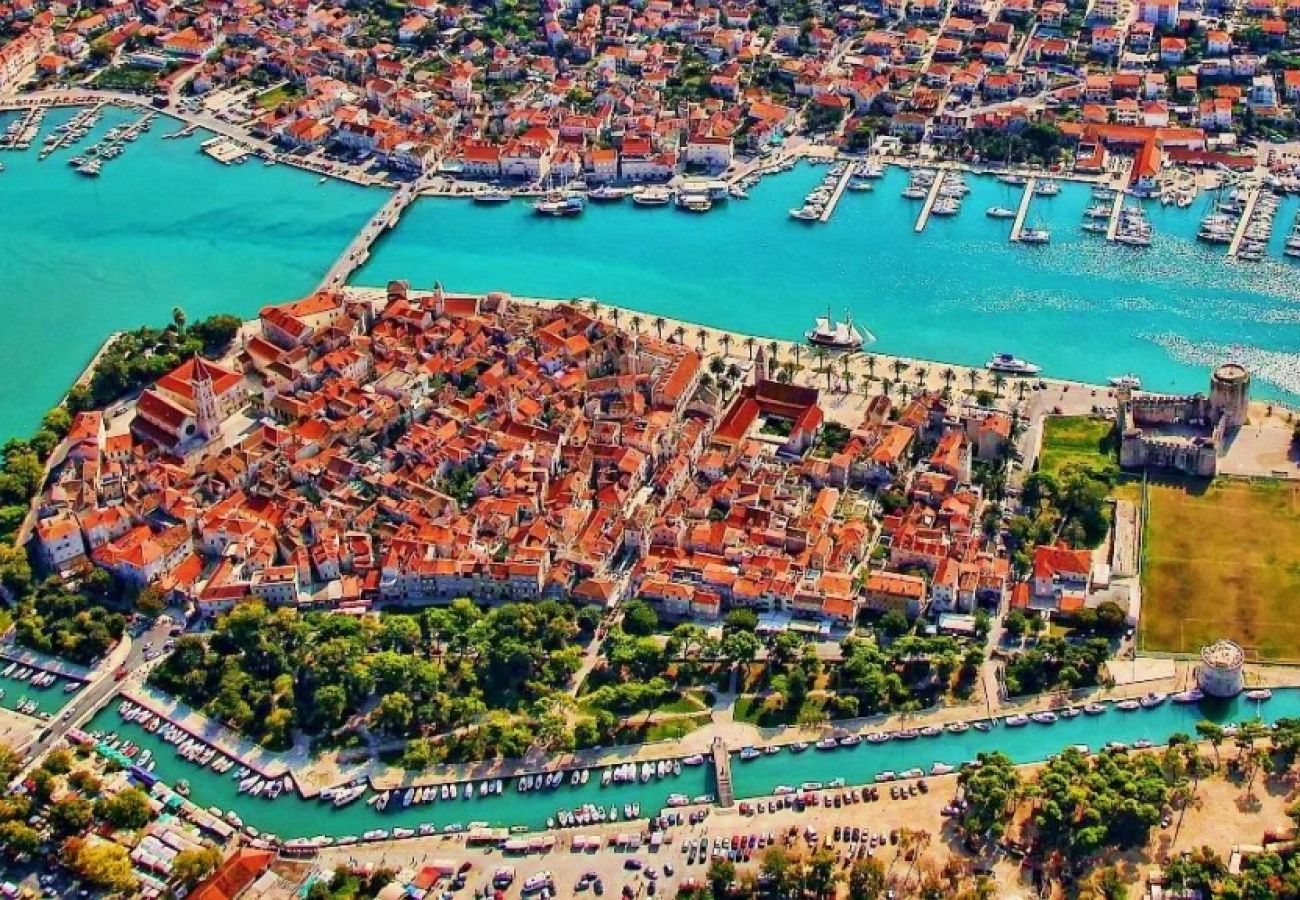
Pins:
<point x="853" y="758"/>
<point x="955" y="293"/>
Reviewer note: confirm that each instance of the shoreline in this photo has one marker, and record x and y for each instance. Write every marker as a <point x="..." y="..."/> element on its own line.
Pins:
<point x="732" y="344"/>
<point x="840" y="406"/>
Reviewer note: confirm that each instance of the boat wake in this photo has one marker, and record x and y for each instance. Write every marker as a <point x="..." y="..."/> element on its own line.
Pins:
<point x="1279" y="369"/>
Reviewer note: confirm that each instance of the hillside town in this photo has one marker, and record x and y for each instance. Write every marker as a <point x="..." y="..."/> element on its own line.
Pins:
<point x="552" y="92"/>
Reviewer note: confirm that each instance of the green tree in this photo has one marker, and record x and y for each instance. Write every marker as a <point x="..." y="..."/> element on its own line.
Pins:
<point x="102" y="863"/>
<point x="640" y="618"/>
<point x="894" y="623"/>
<point x="867" y="879"/>
<point x="70" y="815"/>
<point x="19" y="839"/>
<point x="721" y="874"/>
<point x="194" y="864"/>
<point x="394" y="713"/>
<point x="126" y="809"/>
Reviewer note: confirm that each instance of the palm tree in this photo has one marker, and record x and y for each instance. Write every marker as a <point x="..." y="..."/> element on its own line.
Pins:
<point x="848" y="382"/>
<point x="615" y="314"/>
<point x="904" y="391"/>
<point x="899" y="368"/>
<point x="773" y="351"/>
<point x="726" y="342"/>
<point x="999" y="381"/>
<point x="178" y="318"/>
<point x="594" y="306"/>
<point x="678" y="333"/>
<point x="973" y="376"/>
<point x="749" y="347"/>
<point x="871" y="367"/>
<point x="886" y="386"/>
<point x="819" y="358"/>
<point x="700" y="336"/>
<point x="637" y="322"/>
<point x="947" y="375"/>
<point x="659" y="324"/>
<point x="1021" y="387"/>
<point x="798" y="349"/>
<point x="921" y="374"/>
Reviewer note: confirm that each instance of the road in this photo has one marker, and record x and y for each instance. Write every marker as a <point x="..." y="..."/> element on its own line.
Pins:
<point x="101" y="690"/>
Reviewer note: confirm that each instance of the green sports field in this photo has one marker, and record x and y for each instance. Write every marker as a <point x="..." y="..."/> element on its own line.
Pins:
<point x="1223" y="560"/>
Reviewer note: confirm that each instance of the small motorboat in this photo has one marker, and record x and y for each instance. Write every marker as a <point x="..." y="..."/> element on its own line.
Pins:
<point x="1259" y="695"/>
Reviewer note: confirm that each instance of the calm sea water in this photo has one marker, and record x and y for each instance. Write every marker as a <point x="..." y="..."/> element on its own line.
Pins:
<point x="957" y="292"/>
<point x="165" y="226"/>
<point x="291" y="816"/>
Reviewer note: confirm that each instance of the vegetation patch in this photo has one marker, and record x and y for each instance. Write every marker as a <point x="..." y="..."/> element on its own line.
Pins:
<point x="140" y="79"/>
<point x="1222" y="560"/>
<point x="1081" y="441"/>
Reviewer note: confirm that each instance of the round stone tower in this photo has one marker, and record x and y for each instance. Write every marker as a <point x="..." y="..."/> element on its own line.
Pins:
<point x="1219" y="673"/>
<point x="1230" y="394"/>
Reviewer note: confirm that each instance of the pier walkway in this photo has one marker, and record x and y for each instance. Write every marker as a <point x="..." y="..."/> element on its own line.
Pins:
<point x="1112" y="227"/>
<point x="837" y="194"/>
<point x="722" y="771"/>
<point x="1244" y="222"/>
<point x="1022" y="212"/>
<point x="24" y="133"/>
<point x="930" y="198"/>
<point x="358" y="250"/>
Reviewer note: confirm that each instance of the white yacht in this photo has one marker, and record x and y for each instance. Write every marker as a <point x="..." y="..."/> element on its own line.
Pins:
<point x="1013" y="365"/>
<point x="652" y="196"/>
<point x="1000" y="212"/>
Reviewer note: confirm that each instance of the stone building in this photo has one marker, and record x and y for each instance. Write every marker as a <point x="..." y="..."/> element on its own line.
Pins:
<point x="1184" y="433"/>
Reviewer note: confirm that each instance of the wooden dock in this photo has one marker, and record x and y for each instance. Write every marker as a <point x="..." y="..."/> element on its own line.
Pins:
<point x="722" y="771"/>
<point x="930" y="198"/>
<point x="358" y="250"/>
<point x="837" y="193"/>
<point x="1022" y="212"/>
<point x="1240" y="234"/>
<point x="1112" y="226"/>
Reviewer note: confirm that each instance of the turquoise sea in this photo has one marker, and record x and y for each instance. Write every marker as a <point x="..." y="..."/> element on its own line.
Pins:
<point x="957" y="292"/>
<point x="166" y="226"/>
<point x="292" y="816"/>
<point x="163" y="226"/>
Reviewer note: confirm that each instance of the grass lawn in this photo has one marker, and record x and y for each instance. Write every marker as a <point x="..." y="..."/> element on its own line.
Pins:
<point x="1080" y="440"/>
<point x="685" y="703"/>
<point x="773" y="713"/>
<point x="1222" y="560"/>
<point x="669" y="730"/>
<point x="277" y="95"/>
<point x="128" y="78"/>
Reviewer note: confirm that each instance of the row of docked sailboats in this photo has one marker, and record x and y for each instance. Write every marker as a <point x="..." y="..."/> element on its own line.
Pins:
<point x="37" y="678"/>
<point x="1292" y="246"/>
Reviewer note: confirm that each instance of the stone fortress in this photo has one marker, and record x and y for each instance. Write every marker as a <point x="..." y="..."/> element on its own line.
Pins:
<point x="1187" y="433"/>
